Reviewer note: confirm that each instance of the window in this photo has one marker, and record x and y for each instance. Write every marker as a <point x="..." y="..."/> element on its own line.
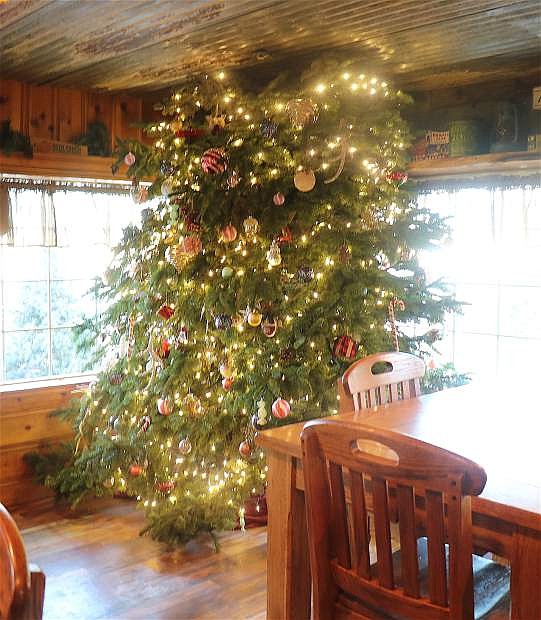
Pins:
<point x="61" y="243"/>
<point x="494" y="264"/>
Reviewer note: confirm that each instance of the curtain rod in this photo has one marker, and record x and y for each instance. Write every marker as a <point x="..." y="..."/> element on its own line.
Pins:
<point x="20" y="181"/>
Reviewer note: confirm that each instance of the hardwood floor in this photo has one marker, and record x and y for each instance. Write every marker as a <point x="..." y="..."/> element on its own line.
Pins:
<point x="97" y="566"/>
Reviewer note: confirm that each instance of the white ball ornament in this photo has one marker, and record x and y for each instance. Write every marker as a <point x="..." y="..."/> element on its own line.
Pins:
<point x="304" y="180"/>
<point x="280" y="408"/>
<point x="167" y="187"/>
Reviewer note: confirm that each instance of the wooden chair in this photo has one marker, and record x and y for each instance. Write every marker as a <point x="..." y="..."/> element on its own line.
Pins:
<point x="22" y="587"/>
<point x="362" y="389"/>
<point x="429" y="578"/>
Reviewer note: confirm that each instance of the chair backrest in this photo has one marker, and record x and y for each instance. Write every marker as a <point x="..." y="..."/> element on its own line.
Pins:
<point x="335" y="452"/>
<point x="399" y="379"/>
<point x="14" y="573"/>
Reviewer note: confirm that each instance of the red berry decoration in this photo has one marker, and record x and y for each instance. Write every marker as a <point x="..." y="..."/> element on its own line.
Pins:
<point x="213" y="161"/>
<point x="285" y="235"/>
<point x="245" y="449"/>
<point x="278" y="199"/>
<point x="345" y="347"/>
<point x="164" y="406"/>
<point x="190" y="133"/>
<point x="135" y="470"/>
<point x="165" y="311"/>
<point x="229" y="233"/>
<point x="164" y="350"/>
<point x="280" y="408"/>
<point x="397" y="175"/>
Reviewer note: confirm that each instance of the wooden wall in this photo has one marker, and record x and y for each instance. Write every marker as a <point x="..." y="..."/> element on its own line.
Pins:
<point x="25" y="426"/>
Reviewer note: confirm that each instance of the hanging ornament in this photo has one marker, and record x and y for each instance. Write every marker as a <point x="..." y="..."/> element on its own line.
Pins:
<point x="116" y="378"/>
<point x="216" y="121"/>
<point x="254" y="318"/>
<point x="185" y="446"/>
<point x="395" y="303"/>
<point x="226" y="370"/>
<point x="135" y="470"/>
<point x="227" y="383"/>
<point x="251" y="226"/>
<point x="141" y="196"/>
<point x="145" y="423"/>
<point x="302" y="112"/>
<point x="213" y="161"/>
<point x="165" y="311"/>
<point x="229" y="233"/>
<point x="304" y="180"/>
<point x="166" y="168"/>
<point x="344" y="253"/>
<point x="192" y="405"/>
<point x="223" y="321"/>
<point x="129" y="159"/>
<point x="233" y="180"/>
<point x="268" y="128"/>
<point x="245" y="449"/>
<point x="191" y="245"/>
<point x="259" y="419"/>
<point x="166" y="187"/>
<point x="345" y="347"/>
<point x="109" y="483"/>
<point x="164" y="406"/>
<point x="274" y="257"/>
<point x="192" y="219"/>
<point x="269" y="327"/>
<point x="285" y="236"/>
<point x="165" y="486"/>
<point x="227" y="273"/>
<point x="176" y="256"/>
<point x="147" y="215"/>
<point x="278" y="199"/>
<point x="305" y="274"/>
<point x="164" y="350"/>
<point x="280" y="408"/>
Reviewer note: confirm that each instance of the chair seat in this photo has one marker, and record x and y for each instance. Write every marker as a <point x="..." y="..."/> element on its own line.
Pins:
<point x="491" y="581"/>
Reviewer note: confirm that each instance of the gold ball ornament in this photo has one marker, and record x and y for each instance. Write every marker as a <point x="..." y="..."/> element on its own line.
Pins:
<point x="301" y="112"/>
<point x="177" y="256"/>
<point x="251" y="226"/>
<point x="304" y="180"/>
<point x="255" y="318"/>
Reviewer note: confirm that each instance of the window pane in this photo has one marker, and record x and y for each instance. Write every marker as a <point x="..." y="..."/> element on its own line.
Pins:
<point x="71" y="301"/>
<point x="26" y="354"/>
<point x="66" y="360"/>
<point x="481" y="315"/>
<point x="71" y="263"/>
<point x="520" y="311"/>
<point x="23" y="264"/>
<point x="26" y="305"/>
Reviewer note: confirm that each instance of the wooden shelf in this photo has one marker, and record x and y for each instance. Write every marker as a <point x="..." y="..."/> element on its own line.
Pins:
<point x="518" y="162"/>
<point x="62" y="166"/>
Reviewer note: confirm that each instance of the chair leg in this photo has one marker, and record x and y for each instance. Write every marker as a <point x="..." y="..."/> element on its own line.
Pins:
<point x="37" y="593"/>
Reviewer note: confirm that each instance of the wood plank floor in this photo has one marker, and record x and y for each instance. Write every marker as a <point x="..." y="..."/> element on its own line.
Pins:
<point x="97" y="566"/>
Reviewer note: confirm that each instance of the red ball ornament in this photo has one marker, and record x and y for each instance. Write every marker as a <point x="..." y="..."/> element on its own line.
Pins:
<point x="229" y="233"/>
<point x="345" y="347"/>
<point x="129" y="159"/>
<point x="227" y="383"/>
<point x="191" y="245"/>
<point x="166" y="486"/>
<point x="280" y="408"/>
<point x="135" y="470"/>
<point x="213" y="161"/>
<point x="245" y="449"/>
<point x="164" y="406"/>
<point x="165" y="311"/>
<point x="278" y="199"/>
<point x="164" y="350"/>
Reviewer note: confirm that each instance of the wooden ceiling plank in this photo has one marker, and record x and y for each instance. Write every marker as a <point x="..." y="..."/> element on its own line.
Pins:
<point x="13" y="11"/>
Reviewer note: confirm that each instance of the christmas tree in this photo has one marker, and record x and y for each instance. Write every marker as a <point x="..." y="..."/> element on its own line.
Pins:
<point x="283" y="233"/>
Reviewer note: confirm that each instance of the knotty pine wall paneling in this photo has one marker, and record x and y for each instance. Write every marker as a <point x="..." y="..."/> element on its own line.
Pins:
<point x="26" y="426"/>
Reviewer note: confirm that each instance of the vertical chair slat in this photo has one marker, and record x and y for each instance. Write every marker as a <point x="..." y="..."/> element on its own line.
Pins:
<point x="383" y="533"/>
<point x="358" y="401"/>
<point x="408" y="540"/>
<point x="394" y="392"/>
<point x="406" y="390"/>
<point x="360" y="525"/>
<point x="416" y="386"/>
<point x="340" y="519"/>
<point x="437" y="580"/>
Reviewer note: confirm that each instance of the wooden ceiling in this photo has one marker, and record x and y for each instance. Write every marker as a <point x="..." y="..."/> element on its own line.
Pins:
<point x="149" y="45"/>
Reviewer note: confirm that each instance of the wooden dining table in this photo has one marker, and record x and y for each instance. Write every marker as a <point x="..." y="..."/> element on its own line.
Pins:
<point x="497" y="426"/>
